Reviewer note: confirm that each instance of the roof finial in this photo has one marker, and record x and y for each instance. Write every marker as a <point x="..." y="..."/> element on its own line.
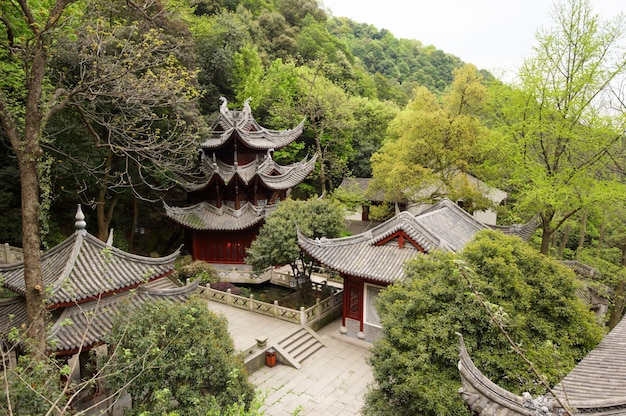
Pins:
<point x="80" y="223"/>
<point x="246" y="106"/>
<point x="224" y="106"/>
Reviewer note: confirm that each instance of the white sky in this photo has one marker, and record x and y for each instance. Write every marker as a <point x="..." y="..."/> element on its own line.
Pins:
<point x="496" y="35"/>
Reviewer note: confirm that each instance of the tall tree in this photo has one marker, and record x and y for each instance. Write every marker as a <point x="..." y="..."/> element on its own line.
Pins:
<point x="430" y="145"/>
<point x="555" y="136"/>
<point x="124" y="84"/>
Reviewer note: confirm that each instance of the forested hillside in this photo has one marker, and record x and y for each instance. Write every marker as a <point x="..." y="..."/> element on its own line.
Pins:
<point x="348" y="79"/>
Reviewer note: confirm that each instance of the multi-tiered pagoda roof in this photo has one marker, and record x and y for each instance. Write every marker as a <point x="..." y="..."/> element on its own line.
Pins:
<point x="238" y="185"/>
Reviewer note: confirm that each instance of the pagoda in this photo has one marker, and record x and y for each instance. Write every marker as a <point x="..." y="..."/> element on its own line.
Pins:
<point x="238" y="186"/>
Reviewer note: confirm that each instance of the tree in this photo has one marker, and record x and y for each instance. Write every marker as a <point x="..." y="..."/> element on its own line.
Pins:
<point x="186" y="363"/>
<point x="123" y="87"/>
<point x="430" y="146"/>
<point x="371" y="118"/>
<point x="329" y="115"/>
<point x="277" y="242"/>
<point x="555" y="137"/>
<point x="415" y="362"/>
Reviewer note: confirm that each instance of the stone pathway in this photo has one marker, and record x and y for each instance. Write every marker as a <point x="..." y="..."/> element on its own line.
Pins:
<point x="331" y="382"/>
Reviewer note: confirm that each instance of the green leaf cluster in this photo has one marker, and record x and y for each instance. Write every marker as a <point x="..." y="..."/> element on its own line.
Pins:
<point x="415" y="362"/>
<point x="277" y="242"/>
<point x="176" y="358"/>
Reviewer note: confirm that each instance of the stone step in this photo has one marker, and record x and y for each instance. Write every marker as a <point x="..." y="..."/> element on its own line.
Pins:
<point x="301" y="344"/>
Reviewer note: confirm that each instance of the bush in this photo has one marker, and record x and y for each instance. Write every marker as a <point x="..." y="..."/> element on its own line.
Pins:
<point x="197" y="269"/>
<point x="234" y="290"/>
<point x="415" y="362"/>
<point x="176" y="358"/>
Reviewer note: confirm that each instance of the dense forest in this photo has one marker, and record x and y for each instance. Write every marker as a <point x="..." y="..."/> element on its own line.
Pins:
<point x="375" y="106"/>
<point x="105" y="103"/>
<point x="348" y="79"/>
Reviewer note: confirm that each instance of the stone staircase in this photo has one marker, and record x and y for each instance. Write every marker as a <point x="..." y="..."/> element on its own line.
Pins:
<point x="299" y="346"/>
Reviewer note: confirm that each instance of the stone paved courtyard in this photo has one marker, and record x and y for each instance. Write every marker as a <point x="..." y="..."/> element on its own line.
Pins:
<point x="331" y="382"/>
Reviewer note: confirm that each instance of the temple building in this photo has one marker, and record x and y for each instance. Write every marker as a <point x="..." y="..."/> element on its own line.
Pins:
<point x="239" y="185"/>
<point x="88" y="281"/>
<point x="374" y="259"/>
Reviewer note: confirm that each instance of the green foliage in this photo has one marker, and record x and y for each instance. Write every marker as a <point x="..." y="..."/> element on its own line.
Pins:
<point x="415" y="362"/>
<point x="554" y="138"/>
<point x="407" y="62"/>
<point x="197" y="269"/>
<point x="277" y="241"/>
<point x="382" y="212"/>
<point x="33" y="387"/>
<point x="431" y="146"/>
<point x="176" y="358"/>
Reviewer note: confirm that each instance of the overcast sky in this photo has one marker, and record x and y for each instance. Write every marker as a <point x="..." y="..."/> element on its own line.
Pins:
<point x="492" y="34"/>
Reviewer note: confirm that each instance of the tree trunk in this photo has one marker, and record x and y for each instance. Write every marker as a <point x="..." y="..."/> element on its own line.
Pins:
<point x="602" y="232"/>
<point x="133" y="227"/>
<point x="618" y="301"/>
<point x="583" y="232"/>
<point x="545" y="234"/>
<point x="29" y="152"/>
<point x="31" y="243"/>
<point x="564" y="241"/>
<point x="318" y="144"/>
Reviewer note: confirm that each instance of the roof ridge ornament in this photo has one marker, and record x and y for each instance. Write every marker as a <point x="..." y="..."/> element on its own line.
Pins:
<point x="80" y="223"/>
<point x="224" y="107"/>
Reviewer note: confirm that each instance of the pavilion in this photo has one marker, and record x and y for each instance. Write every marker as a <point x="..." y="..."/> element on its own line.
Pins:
<point x="374" y="259"/>
<point x="88" y="282"/>
<point x="239" y="185"/>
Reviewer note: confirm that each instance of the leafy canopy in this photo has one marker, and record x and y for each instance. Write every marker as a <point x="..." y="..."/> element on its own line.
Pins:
<point x="431" y="145"/>
<point x="415" y="362"/>
<point x="176" y="358"/>
<point x="277" y="241"/>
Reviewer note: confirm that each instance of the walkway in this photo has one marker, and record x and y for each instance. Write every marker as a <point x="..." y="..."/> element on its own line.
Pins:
<point x="331" y="382"/>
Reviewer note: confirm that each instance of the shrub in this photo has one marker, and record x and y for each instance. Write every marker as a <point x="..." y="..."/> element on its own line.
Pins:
<point x="198" y="269"/>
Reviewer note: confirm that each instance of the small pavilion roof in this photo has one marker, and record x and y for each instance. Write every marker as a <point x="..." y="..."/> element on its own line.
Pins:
<point x="596" y="386"/>
<point x="376" y="255"/>
<point x="205" y="216"/>
<point x="271" y="174"/>
<point x="83" y="267"/>
<point x="242" y="124"/>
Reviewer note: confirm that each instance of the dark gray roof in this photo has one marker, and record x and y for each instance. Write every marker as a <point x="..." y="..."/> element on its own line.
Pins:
<point x="12" y="314"/>
<point x="450" y="223"/>
<point x="596" y="386"/>
<point x="598" y="382"/>
<point x="82" y="267"/>
<point x="270" y="173"/>
<point x="445" y="226"/>
<point x="87" y="324"/>
<point x="242" y="124"/>
<point x="205" y="216"/>
<point x="90" y="322"/>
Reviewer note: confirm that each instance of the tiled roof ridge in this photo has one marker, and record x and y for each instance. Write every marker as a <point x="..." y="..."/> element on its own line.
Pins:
<point x="248" y="130"/>
<point x="460" y="212"/>
<point x="130" y="256"/>
<point x="339" y="241"/>
<point x="92" y="326"/>
<point x="223" y="209"/>
<point x="79" y="240"/>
